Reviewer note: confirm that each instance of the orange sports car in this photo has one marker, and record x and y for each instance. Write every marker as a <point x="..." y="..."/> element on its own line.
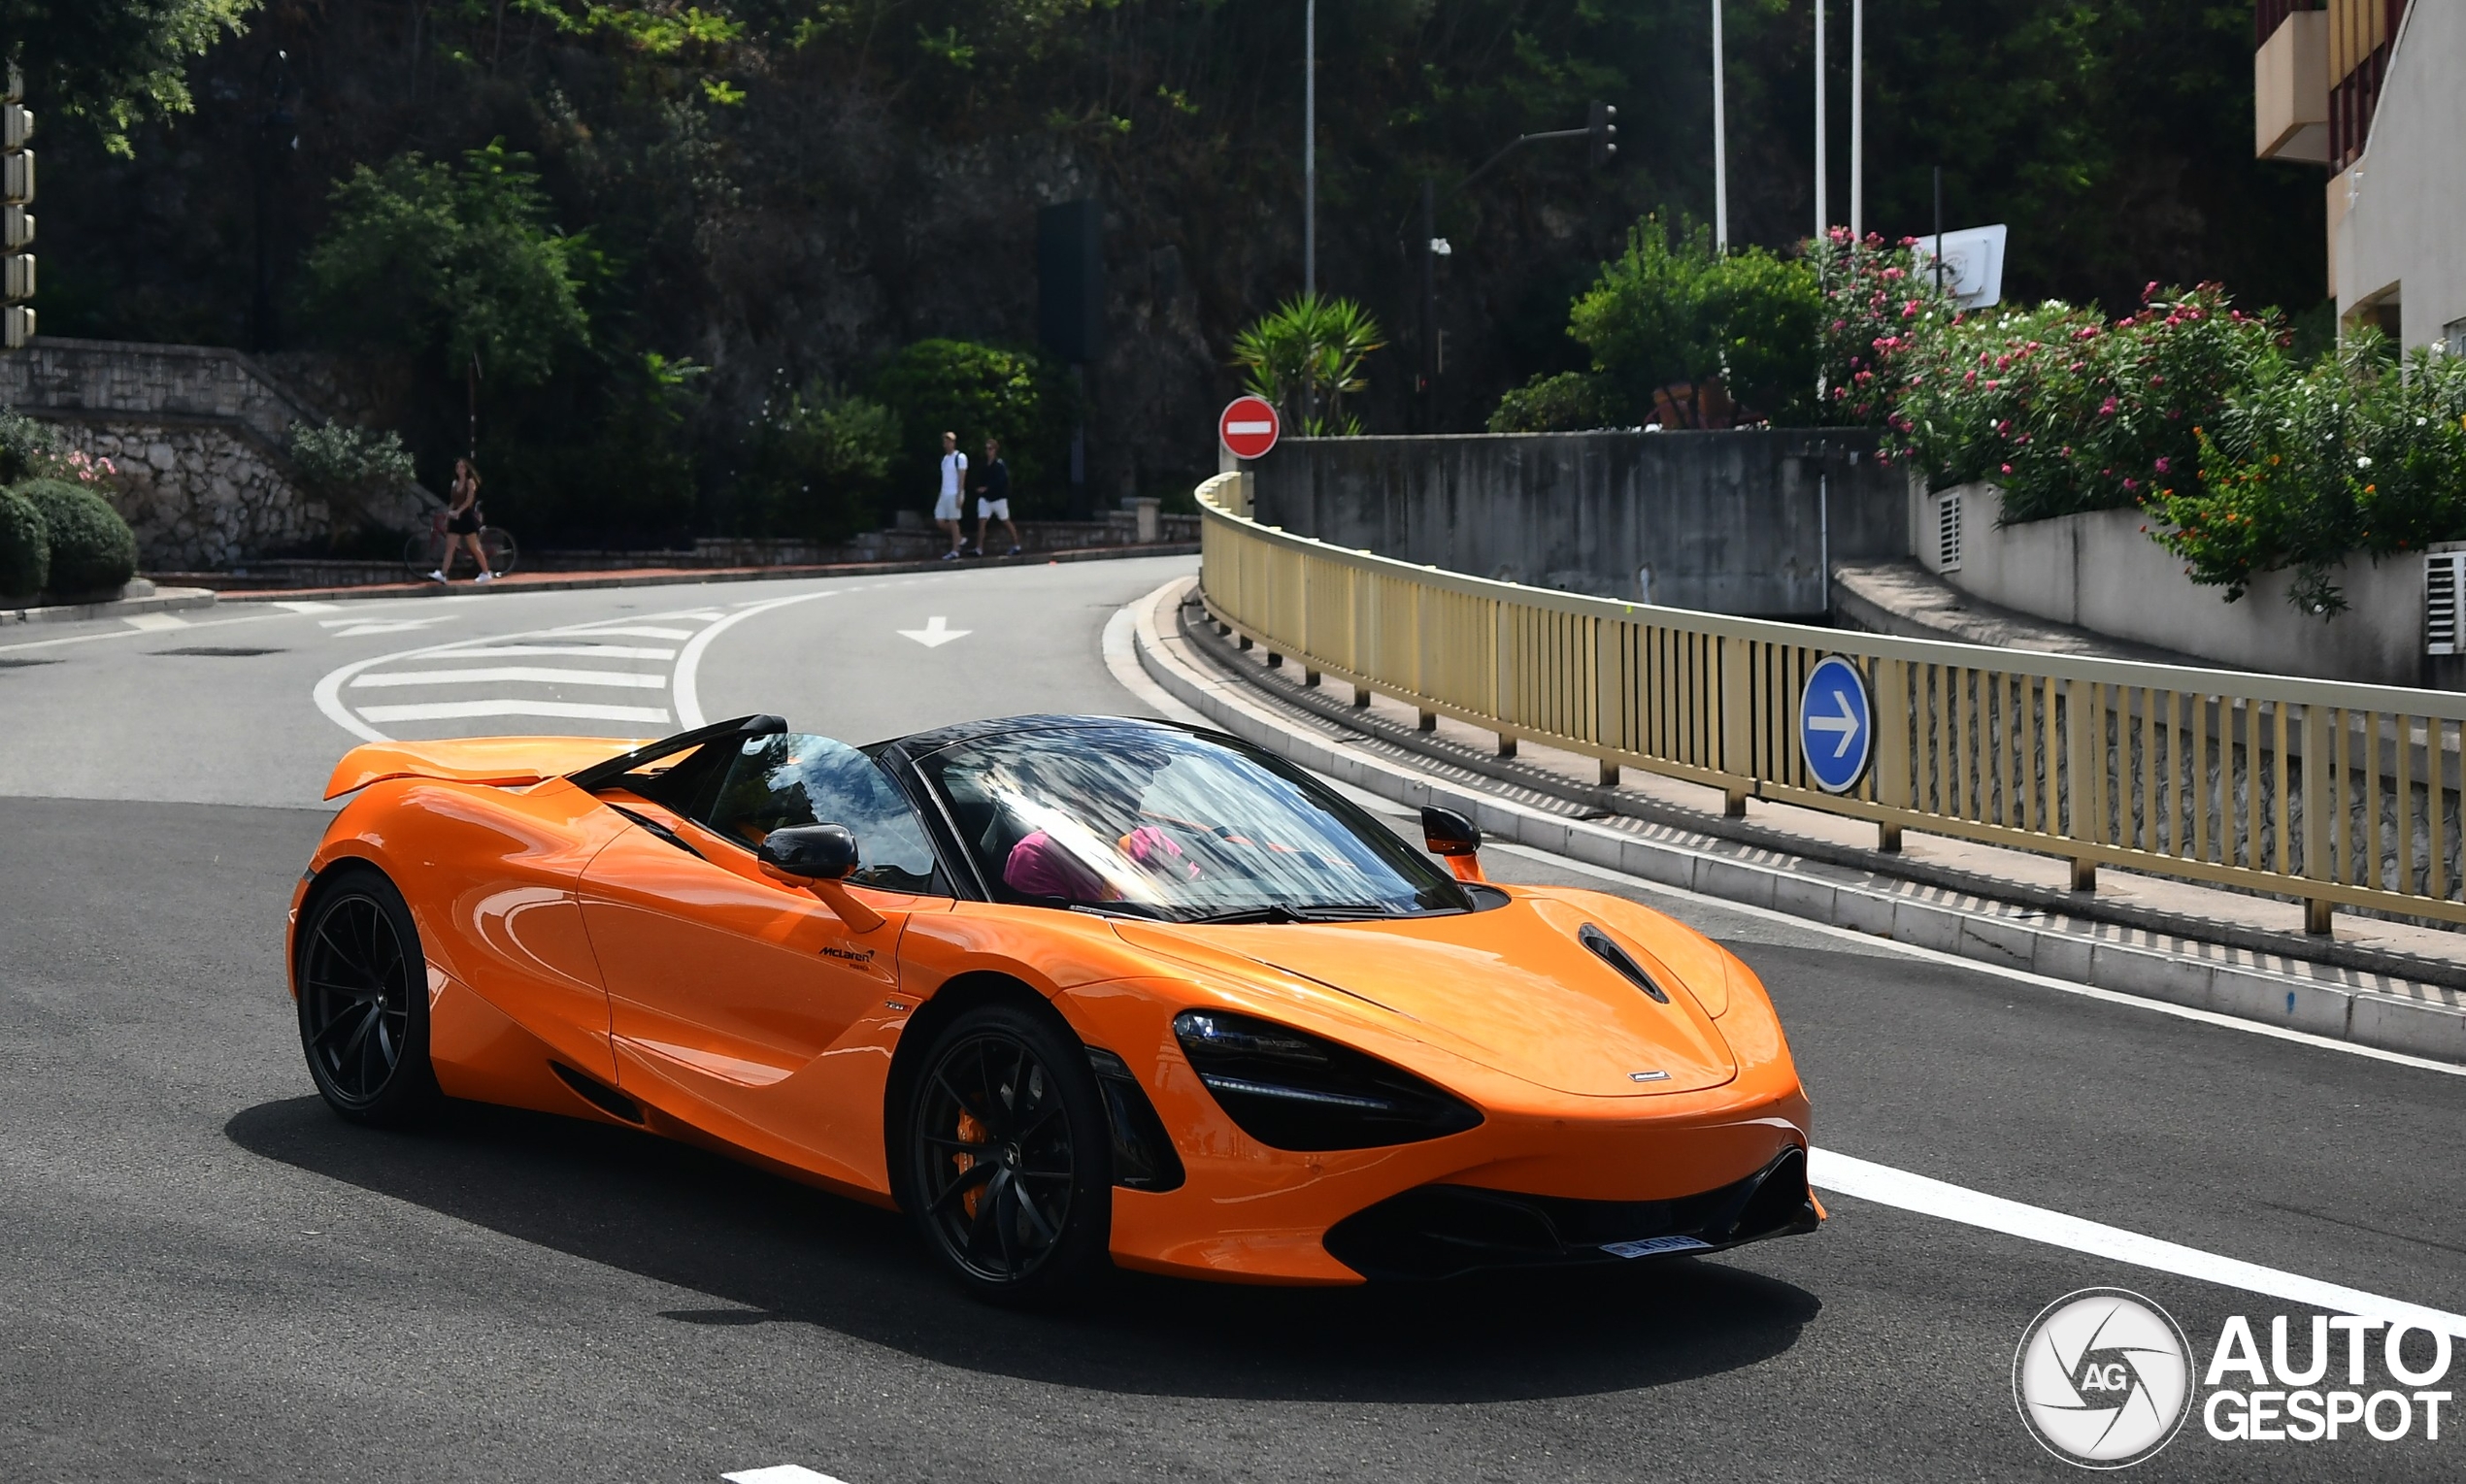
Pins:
<point x="1068" y="991"/>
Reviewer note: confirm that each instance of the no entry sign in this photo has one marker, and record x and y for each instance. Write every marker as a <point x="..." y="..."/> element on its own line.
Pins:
<point x="1248" y="427"/>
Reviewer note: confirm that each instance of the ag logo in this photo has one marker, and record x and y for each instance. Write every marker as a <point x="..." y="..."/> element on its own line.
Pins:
<point x="2102" y="1378"/>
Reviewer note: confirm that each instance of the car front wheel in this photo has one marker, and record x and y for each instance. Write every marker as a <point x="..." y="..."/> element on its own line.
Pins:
<point x="1009" y="1171"/>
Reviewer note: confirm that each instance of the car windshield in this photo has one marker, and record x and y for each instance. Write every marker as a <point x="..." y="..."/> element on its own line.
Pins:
<point x="1166" y="824"/>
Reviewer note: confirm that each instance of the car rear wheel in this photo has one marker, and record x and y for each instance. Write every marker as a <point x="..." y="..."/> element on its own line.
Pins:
<point x="363" y="1000"/>
<point x="1009" y="1159"/>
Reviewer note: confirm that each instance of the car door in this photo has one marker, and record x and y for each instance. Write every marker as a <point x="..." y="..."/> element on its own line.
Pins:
<point x="728" y="990"/>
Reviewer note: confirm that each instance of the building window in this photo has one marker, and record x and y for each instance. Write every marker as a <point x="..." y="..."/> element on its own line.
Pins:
<point x="2454" y="337"/>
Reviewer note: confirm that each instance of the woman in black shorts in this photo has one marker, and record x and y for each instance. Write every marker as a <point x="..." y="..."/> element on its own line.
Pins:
<point x="462" y="524"/>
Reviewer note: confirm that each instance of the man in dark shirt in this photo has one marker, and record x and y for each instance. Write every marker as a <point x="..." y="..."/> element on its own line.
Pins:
<point x="994" y="497"/>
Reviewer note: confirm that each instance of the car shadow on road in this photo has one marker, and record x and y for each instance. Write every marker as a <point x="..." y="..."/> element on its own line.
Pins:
<point x="768" y="1250"/>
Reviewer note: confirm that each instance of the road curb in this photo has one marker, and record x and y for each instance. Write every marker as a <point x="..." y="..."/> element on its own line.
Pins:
<point x="165" y="600"/>
<point x="681" y="577"/>
<point x="2268" y="989"/>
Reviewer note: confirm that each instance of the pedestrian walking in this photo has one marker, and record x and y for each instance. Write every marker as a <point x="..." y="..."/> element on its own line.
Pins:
<point x="463" y="522"/>
<point x="946" y="506"/>
<point x="994" y="497"/>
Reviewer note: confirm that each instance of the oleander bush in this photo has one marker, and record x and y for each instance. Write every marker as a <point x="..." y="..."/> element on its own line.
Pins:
<point x="93" y="550"/>
<point x="25" y="547"/>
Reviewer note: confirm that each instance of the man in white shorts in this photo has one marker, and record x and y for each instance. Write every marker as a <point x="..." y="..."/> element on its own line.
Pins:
<point x="993" y="499"/>
<point x="946" y="508"/>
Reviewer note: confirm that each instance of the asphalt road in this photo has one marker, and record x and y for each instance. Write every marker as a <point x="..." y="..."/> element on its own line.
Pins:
<point x="203" y="1275"/>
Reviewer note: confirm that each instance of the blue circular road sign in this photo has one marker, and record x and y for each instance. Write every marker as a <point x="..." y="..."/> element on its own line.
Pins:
<point x="1836" y="725"/>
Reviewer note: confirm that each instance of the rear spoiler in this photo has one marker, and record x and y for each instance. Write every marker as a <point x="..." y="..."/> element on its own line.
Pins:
<point x="501" y="762"/>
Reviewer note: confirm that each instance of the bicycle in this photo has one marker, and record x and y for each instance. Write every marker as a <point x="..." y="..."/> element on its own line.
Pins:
<point x="425" y="554"/>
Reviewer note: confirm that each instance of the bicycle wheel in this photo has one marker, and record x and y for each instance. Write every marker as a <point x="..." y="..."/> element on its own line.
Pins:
<point x="502" y="552"/>
<point x="420" y="556"/>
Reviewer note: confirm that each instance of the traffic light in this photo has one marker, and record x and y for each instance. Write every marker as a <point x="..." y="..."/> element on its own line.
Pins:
<point x="16" y="224"/>
<point x="1603" y="132"/>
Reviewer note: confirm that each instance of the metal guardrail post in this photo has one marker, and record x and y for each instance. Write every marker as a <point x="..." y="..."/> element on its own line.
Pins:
<point x="1892" y="747"/>
<point x="2323" y="796"/>
<point x="2084" y="773"/>
<point x="1737" y="724"/>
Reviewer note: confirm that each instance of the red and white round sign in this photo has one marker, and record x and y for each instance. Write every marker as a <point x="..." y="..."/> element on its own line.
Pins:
<point x="1248" y="427"/>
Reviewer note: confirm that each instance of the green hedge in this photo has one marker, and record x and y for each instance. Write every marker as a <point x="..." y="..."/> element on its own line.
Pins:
<point x="93" y="549"/>
<point x="25" y="549"/>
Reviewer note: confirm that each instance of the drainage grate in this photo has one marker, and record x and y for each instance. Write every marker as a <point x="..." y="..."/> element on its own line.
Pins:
<point x="220" y="652"/>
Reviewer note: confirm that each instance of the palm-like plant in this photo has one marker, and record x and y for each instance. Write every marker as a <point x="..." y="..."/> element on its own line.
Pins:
<point x="1305" y="357"/>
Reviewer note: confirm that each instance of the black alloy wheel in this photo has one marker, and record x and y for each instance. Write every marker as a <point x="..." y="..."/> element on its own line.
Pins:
<point x="1009" y="1156"/>
<point x="363" y="1000"/>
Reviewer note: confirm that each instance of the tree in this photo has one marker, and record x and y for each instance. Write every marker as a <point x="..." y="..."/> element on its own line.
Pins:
<point x="1306" y="357"/>
<point x="1671" y="310"/>
<point x="423" y="257"/>
<point x="977" y="391"/>
<point x="114" y="62"/>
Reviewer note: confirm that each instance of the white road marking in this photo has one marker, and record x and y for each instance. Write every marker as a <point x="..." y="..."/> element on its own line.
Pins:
<point x="495" y="673"/>
<point x="151" y="623"/>
<point x="779" y="1473"/>
<point x="456" y="711"/>
<point x="87" y="639"/>
<point x="1885" y="1185"/>
<point x="357" y="627"/>
<point x="1975" y="965"/>
<point x="686" y="690"/>
<point x="588" y="651"/>
<point x="303" y="606"/>
<point x="625" y="631"/>
<point x="936" y="633"/>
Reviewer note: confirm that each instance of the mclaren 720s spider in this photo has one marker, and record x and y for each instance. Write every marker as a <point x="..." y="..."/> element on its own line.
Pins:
<point x="1068" y="991"/>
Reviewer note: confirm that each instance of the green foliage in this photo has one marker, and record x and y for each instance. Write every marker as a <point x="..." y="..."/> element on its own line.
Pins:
<point x="2068" y="412"/>
<point x="1672" y="311"/>
<point x="977" y="391"/>
<point x="1569" y="402"/>
<point x="2305" y="465"/>
<point x="25" y="548"/>
<point x="425" y="258"/>
<point x="29" y="449"/>
<point x="93" y="549"/>
<point x="347" y="461"/>
<point x="817" y="460"/>
<point x="1305" y="357"/>
<point x="116" y="63"/>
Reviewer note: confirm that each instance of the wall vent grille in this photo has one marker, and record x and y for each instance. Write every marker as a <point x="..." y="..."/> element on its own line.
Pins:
<point x="2443" y="577"/>
<point x="1948" y="532"/>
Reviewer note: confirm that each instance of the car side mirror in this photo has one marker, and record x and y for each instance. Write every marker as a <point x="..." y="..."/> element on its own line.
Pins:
<point x="819" y="858"/>
<point x="803" y="854"/>
<point x="1450" y="837"/>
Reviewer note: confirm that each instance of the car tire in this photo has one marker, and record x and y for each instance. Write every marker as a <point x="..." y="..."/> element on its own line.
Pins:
<point x="1007" y="1090"/>
<point x="363" y="1000"/>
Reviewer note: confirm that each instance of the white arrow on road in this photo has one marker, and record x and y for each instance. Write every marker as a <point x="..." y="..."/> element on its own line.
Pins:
<point x="936" y="633"/>
<point x="1847" y="724"/>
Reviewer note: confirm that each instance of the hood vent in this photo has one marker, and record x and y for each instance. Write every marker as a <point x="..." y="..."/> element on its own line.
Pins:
<point x="1615" y="957"/>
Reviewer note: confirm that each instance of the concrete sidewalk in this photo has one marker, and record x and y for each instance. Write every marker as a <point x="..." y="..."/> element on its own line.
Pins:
<point x="2397" y="986"/>
<point x="674" y="577"/>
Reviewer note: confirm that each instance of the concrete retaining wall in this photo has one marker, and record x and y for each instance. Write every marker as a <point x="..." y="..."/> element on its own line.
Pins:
<point x="1734" y="523"/>
<point x="198" y="434"/>
<point x="2101" y="571"/>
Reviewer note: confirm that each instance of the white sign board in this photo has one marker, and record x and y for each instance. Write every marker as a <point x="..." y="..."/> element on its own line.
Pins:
<point x="1973" y="264"/>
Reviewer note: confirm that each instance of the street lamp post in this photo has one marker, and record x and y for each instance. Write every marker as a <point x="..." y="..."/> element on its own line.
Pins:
<point x="1309" y="148"/>
<point x="1721" y="144"/>
<point x="1857" y="119"/>
<point x="1821" y="213"/>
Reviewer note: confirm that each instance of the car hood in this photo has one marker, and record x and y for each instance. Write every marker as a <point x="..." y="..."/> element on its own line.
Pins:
<point x="1511" y="988"/>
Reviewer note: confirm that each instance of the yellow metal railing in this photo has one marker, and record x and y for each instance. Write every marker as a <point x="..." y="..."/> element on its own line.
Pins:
<point x="2311" y="789"/>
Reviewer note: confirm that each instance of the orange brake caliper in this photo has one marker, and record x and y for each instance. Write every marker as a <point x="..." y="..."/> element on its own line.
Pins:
<point x="971" y="1131"/>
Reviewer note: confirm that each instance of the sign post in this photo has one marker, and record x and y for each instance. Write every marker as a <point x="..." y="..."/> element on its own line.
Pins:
<point x="1248" y="427"/>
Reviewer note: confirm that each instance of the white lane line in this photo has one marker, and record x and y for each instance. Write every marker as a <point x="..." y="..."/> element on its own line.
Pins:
<point x="304" y="605"/>
<point x="87" y="639"/>
<point x="585" y="651"/>
<point x="456" y="711"/>
<point x="154" y="623"/>
<point x="686" y="692"/>
<point x="1975" y="965"/>
<point x="625" y="631"/>
<point x="1885" y="1185"/>
<point x="538" y="674"/>
<point x="779" y="1473"/>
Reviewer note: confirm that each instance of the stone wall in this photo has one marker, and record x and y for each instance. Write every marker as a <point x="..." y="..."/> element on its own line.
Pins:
<point x="198" y="434"/>
<point x="1735" y="522"/>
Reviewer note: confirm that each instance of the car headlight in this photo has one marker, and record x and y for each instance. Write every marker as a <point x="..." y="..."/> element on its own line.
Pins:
<point x="1290" y="1090"/>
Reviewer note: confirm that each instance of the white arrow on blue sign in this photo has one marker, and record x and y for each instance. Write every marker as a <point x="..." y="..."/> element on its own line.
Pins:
<point x="1836" y="725"/>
